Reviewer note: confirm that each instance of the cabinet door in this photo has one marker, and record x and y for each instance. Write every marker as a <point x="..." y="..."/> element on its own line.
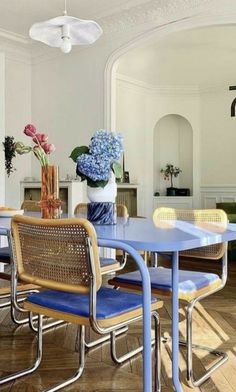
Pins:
<point x="128" y="197"/>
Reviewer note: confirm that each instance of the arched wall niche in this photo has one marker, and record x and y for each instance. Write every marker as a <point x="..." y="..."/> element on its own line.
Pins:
<point x="173" y="143"/>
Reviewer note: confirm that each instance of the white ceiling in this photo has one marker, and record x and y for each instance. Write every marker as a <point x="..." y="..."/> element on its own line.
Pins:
<point x="18" y="15"/>
<point x="202" y="57"/>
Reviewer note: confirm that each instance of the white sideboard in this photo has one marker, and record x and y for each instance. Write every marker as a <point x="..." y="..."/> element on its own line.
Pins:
<point x="70" y="192"/>
<point x="184" y="202"/>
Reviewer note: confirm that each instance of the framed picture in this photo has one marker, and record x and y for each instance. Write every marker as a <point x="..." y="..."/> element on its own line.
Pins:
<point x="126" y="177"/>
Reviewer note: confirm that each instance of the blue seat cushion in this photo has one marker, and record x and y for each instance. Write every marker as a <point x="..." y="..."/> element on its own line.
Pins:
<point x="5" y="254"/>
<point x="189" y="281"/>
<point x="105" y="261"/>
<point x="110" y="302"/>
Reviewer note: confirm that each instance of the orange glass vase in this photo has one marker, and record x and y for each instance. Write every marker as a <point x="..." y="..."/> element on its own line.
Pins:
<point x="50" y="203"/>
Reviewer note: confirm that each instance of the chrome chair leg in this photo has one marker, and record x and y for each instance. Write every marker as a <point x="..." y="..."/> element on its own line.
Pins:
<point x="45" y="326"/>
<point x="157" y="348"/>
<point x="104" y="339"/>
<point x="79" y="371"/>
<point x="223" y="356"/>
<point x="37" y="361"/>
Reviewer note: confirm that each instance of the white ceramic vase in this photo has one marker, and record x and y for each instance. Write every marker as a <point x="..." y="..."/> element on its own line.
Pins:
<point x="106" y="194"/>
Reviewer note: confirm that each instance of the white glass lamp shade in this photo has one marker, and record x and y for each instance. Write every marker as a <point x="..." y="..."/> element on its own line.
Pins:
<point x="78" y="32"/>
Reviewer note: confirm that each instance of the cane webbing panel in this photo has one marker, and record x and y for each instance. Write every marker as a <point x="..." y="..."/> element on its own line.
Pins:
<point x="214" y="220"/>
<point x="54" y="254"/>
<point x="81" y="208"/>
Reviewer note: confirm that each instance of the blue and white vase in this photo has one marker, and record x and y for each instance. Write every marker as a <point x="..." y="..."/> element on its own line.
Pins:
<point x="106" y="194"/>
<point x="102" y="207"/>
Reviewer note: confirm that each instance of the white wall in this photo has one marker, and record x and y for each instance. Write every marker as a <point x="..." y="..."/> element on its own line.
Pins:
<point x="173" y="143"/>
<point x="218" y="138"/>
<point x="139" y="108"/>
<point x="17" y="114"/>
<point x="2" y="127"/>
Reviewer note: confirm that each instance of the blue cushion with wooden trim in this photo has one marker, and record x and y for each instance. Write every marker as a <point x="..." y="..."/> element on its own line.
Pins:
<point x="189" y="281"/>
<point x="110" y="302"/>
<point x="5" y="254"/>
<point x="105" y="261"/>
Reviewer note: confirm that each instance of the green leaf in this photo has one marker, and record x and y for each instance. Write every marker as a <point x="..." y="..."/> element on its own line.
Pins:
<point x="116" y="167"/>
<point x="78" y="151"/>
<point x="96" y="184"/>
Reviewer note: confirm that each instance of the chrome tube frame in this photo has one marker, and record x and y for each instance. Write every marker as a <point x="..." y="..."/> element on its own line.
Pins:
<point x="120" y="331"/>
<point x="80" y="369"/>
<point x="104" y="339"/>
<point x="36" y="363"/>
<point x="189" y="310"/>
<point x="97" y="328"/>
<point x="157" y="351"/>
<point x="93" y="298"/>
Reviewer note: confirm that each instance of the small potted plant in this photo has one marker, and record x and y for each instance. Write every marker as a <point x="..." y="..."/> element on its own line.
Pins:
<point x="169" y="172"/>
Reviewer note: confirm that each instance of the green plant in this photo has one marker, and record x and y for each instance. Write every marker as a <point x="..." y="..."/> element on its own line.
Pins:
<point x="169" y="172"/>
<point x="9" y="150"/>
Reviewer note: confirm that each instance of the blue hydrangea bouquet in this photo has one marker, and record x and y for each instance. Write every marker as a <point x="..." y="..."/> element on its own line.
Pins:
<point x="96" y="162"/>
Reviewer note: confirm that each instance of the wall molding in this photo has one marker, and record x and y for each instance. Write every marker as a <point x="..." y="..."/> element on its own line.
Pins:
<point x="153" y="12"/>
<point x="217" y="193"/>
<point x="10" y="35"/>
<point x="162" y="90"/>
<point x="15" y="51"/>
<point x="171" y="89"/>
<point x="119" y="20"/>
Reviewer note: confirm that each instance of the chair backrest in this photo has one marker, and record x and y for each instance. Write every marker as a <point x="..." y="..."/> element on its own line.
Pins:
<point x="121" y="209"/>
<point x="213" y="219"/>
<point x="30" y="205"/>
<point x="81" y="208"/>
<point x="56" y="253"/>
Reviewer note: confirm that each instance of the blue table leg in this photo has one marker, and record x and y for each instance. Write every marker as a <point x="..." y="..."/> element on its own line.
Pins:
<point x="175" y="322"/>
<point x="147" y="351"/>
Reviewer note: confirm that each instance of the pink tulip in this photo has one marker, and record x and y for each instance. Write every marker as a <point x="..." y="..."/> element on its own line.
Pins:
<point x="48" y="148"/>
<point x="30" y="130"/>
<point x="40" y="138"/>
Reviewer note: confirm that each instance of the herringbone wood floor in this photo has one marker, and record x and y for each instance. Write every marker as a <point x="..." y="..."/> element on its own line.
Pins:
<point x="214" y="324"/>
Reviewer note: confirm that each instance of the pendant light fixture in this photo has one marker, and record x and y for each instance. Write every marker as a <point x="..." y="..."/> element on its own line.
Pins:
<point x="65" y="31"/>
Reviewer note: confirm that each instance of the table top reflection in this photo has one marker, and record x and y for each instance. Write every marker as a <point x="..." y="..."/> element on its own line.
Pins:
<point x="168" y="236"/>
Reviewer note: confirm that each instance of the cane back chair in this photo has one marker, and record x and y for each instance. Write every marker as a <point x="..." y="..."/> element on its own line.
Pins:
<point x="21" y="289"/>
<point x="193" y="285"/>
<point x="62" y="257"/>
<point x="107" y="264"/>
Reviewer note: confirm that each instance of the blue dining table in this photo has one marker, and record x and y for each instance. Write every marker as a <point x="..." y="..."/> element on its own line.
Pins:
<point x="136" y="234"/>
<point x="142" y="234"/>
